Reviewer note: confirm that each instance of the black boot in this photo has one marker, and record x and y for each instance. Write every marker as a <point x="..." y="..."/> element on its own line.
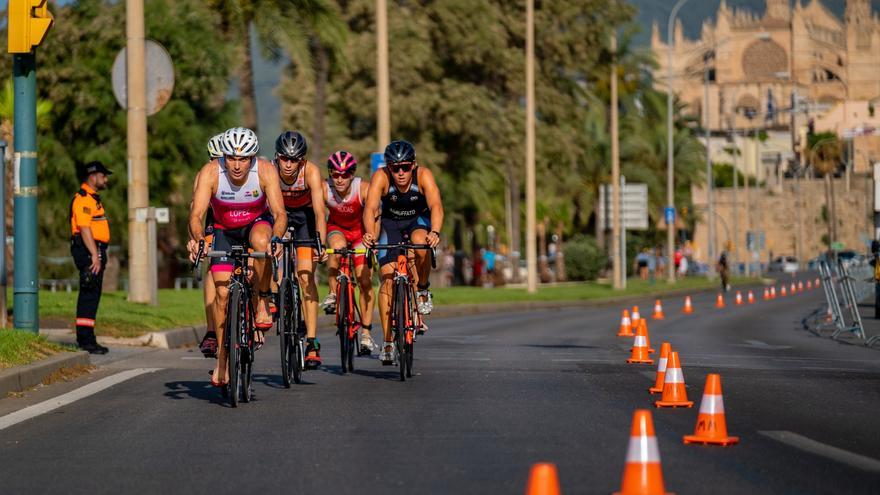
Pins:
<point x="86" y="341"/>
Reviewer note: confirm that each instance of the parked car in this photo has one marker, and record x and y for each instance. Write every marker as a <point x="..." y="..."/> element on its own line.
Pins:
<point x="784" y="264"/>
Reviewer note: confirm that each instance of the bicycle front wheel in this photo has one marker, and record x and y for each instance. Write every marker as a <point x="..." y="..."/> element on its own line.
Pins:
<point x="285" y="326"/>
<point x="401" y="324"/>
<point x="342" y="322"/>
<point x="234" y="318"/>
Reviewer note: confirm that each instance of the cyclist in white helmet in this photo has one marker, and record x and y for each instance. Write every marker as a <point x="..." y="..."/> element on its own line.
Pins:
<point x="242" y="190"/>
<point x="208" y="345"/>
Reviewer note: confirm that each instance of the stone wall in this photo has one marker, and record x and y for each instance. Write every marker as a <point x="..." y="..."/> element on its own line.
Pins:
<point x="778" y="211"/>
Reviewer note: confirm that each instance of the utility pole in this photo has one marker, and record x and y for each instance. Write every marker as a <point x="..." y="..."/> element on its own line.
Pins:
<point x="670" y="148"/>
<point x="734" y="255"/>
<point x="616" y="211"/>
<point x="531" y="249"/>
<point x="27" y="24"/>
<point x="383" y="86"/>
<point x="710" y="194"/>
<point x="141" y="255"/>
<point x="3" y="272"/>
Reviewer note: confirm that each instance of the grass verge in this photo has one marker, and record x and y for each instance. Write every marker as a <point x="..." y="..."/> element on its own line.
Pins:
<point x="18" y="348"/>
<point x="119" y="318"/>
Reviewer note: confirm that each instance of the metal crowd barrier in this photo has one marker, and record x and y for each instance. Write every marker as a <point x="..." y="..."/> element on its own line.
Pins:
<point x="845" y="284"/>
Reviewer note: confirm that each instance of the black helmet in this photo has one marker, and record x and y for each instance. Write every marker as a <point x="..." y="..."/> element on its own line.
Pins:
<point x="291" y="144"/>
<point x="400" y="151"/>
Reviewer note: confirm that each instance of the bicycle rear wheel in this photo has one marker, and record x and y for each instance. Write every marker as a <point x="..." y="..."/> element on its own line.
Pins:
<point x="285" y="326"/>
<point x="342" y="322"/>
<point x="246" y="357"/>
<point x="297" y="356"/>
<point x="409" y="337"/>
<point x="234" y="316"/>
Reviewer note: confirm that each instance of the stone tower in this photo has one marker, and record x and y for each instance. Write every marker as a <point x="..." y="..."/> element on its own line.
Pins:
<point x="858" y="12"/>
<point x="779" y="9"/>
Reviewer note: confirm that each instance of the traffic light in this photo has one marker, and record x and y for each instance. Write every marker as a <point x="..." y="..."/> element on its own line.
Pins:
<point x="28" y="23"/>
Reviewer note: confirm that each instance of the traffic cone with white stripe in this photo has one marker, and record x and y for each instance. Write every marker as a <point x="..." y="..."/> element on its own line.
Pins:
<point x="739" y="298"/>
<point x="773" y="292"/>
<point x="782" y="292"/>
<point x="818" y="283"/>
<point x="800" y="286"/>
<point x="711" y="426"/>
<point x="543" y="480"/>
<point x="719" y="301"/>
<point x="793" y="288"/>
<point x="751" y="298"/>
<point x="625" y="325"/>
<point x="665" y="349"/>
<point x="658" y="311"/>
<point x="640" y="353"/>
<point x="766" y="294"/>
<point x="642" y="474"/>
<point x="644" y="324"/>
<point x="674" y="392"/>
<point x="809" y="284"/>
<point x="635" y="315"/>
<point x="688" y="307"/>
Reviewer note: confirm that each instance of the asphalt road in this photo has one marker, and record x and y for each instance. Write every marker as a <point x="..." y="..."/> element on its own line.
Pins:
<point x="493" y="394"/>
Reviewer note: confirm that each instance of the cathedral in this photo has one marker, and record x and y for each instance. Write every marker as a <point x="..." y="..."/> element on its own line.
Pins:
<point x="756" y="64"/>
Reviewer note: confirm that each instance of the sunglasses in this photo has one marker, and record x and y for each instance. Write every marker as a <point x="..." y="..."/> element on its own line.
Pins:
<point x="340" y="175"/>
<point x="284" y="158"/>
<point x="400" y="167"/>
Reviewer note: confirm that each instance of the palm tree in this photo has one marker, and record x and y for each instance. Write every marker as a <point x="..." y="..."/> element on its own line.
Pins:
<point x="280" y="26"/>
<point x="826" y="153"/>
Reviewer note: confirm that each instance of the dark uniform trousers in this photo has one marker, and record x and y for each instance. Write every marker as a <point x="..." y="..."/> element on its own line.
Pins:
<point x="90" y="285"/>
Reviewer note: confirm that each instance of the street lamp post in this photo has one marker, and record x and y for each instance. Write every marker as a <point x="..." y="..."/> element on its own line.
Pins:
<point x="670" y="152"/>
<point x="531" y="251"/>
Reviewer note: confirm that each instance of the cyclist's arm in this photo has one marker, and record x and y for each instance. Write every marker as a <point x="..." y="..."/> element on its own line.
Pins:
<point x="371" y="206"/>
<point x="365" y="189"/>
<point x="432" y="195"/>
<point x="316" y="187"/>
<point x="271" y="184"/>
<point x="202" y="190"/>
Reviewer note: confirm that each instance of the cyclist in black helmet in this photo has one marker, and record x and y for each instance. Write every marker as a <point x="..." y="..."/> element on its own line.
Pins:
<point x="410" y="206"/>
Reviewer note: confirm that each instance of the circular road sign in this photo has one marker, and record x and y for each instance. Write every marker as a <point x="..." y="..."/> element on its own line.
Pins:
<point x="160" y="77"/>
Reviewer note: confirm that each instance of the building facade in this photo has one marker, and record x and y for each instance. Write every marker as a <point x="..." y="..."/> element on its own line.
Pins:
<point x="755" y="64"/>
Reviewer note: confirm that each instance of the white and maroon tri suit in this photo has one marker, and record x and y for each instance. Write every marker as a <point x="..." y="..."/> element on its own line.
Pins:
<point x="298" y="203"/>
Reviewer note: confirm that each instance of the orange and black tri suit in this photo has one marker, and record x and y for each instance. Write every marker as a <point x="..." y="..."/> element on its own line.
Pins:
<point x="86" y="210"/>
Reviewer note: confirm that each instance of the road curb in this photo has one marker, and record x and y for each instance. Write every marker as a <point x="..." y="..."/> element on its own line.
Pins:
<point x="162" y="339"/>
<point x="19" y="378"/>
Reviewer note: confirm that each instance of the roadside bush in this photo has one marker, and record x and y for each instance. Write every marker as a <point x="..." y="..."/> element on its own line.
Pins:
<point x="583" y="258"/>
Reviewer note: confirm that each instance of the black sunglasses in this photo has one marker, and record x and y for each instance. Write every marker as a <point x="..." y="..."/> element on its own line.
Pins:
<point x="397" y="167"/>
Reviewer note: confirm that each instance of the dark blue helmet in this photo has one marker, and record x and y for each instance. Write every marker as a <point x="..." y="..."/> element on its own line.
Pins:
<point x="400" y="151"/>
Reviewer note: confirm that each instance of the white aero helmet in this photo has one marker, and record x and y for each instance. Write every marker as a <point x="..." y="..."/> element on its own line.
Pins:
<point x="215" y="146"/>
<point x="240" y="141"/>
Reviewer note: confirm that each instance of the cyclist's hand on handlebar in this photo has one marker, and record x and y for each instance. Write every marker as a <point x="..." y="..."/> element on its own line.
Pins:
<point x="433" y="238"/>
<point x="369" y="240"/>
<point x="193" y="247"/>
<point x="323" y="255"/>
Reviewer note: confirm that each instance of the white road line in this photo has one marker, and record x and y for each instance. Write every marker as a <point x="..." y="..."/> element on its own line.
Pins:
<point x="809" y="445"/>
<point x="70" y="397"/>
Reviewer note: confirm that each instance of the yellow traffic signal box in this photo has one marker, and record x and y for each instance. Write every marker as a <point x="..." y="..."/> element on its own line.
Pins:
<point x="28" y="23"/>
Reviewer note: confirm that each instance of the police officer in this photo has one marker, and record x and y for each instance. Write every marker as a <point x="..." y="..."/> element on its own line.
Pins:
<point x="90" y="233"/>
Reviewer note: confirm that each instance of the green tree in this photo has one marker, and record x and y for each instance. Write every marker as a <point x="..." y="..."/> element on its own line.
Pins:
<point x="86" y="123"/>
<point x="295" y="28"/>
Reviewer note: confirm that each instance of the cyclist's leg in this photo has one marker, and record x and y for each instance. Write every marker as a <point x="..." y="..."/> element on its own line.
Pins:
<point x="418" y="235"/>
<point x="305" y="270"/>
<point x="220" y="273"/>
<point x="336" y="240"/>
<point x="258" y="239"/>
<point x="365" y="283"/>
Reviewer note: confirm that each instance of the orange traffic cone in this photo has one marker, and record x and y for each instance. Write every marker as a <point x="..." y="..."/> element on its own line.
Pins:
<point x="642" y="474"/>
<point x="658" y="311"/>
<point x="782" y="292"/>
<point x="674" y="393"/>
<point x="711" y="426"/>
<point x="766" y="294"/>
<point x="751" y="298"/>
<point x="829" y="316"/>
<point x="688" y="308"/>
<point x="665" y="349"/>
<point x="635" y="315"/>
<point x="818" y="283"/>
<point x="793" y="288"/>
<point x="773" y="292"/>
<point x="640" y="354"/>
<point x="739" y="298"/>
<point x="800" y="286"/>
<point x="625" y="325"/>
<point x="543" y="480"/>
<point x="719" y="301"/>
<point x="809" y="284"/>
<point x="643" y="323"/>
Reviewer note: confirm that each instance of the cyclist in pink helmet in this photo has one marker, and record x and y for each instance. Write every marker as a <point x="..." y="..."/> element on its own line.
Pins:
<point x="345" y="194"/>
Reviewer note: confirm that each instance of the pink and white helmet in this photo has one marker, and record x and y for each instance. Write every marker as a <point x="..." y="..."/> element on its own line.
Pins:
<point x="342" y="161"/>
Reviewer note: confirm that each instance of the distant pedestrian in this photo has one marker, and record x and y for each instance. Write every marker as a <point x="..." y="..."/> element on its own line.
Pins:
<point x="724" y="271"/>
<point x="489" y="264"/>
<point x="683" y="267"/>
<point x="652" y="265"/>
<point x="642" y="264"/>
<point x="89" y="235"/>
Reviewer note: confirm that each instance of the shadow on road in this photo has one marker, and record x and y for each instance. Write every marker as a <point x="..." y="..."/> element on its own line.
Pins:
<point x="195" y="390"/>
<point x="560" y="346"/>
